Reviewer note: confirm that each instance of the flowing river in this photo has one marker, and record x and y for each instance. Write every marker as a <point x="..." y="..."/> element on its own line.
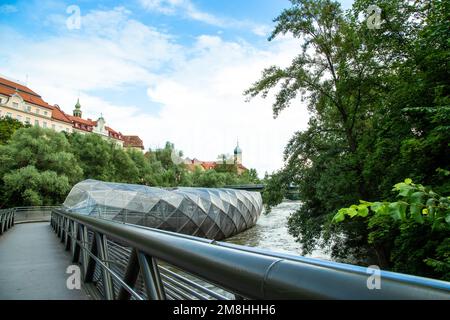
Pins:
<point x="271" y="232"/>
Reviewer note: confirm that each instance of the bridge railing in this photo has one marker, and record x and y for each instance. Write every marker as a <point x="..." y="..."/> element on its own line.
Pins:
<point x="33" y="214"/>
<point x="11" y="216"/>
<point x="127" y="261"/>
<point x="6" y="219"/>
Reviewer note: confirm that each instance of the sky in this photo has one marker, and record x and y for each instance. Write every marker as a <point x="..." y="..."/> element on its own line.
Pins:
<point x="166" y="70"/>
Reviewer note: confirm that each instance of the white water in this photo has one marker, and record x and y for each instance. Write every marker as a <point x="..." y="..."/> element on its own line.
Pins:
<point x="271" y="232"/>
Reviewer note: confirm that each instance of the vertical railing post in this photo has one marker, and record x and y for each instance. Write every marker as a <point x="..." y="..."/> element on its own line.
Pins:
<point x="75" y="243"/>
<point x="1" y="223"/>
<point x="84" y="251"/>
<point x="102" y="247"/>
<point x="68" y="237"/>
<point x="63" y="220"/>
<point x="13" y="217"/>
<point x="10" y="219"/>
<point x="131" y="275"/>
<point x="90" y="265"/>
<point x="152" y="279"/>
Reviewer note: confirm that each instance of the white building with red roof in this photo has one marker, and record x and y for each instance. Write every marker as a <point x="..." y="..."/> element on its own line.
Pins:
<point x="236" y="160"/>
<point x="23" y="104"/>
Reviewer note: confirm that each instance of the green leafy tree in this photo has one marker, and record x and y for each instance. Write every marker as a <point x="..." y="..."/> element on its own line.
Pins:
<point x="411" y="235"/>
<point x="7" y="127"/>
<point x="37" y="167"/>
<point x="93" y="154"/>
<point x="378" y="103"/>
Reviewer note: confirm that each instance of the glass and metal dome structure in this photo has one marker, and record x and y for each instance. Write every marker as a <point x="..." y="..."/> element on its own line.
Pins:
<point x="203" y="212"/>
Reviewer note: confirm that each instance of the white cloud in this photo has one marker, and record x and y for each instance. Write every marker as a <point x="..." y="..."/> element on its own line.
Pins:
<point x="202" y="110"/>
<point x="188" y="9"/>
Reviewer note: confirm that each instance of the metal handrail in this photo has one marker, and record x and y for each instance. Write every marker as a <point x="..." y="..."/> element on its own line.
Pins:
<point x="33" y="214"/>
<point x="240" y="271"/>
<point x="30" y="214"/>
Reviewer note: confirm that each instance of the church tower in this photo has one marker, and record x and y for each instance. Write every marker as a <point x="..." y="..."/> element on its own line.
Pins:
<point x="77" y="111"/>
<point x="237" y="154"/>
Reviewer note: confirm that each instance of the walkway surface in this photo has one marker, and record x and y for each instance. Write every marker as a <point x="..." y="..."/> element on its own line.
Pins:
<point x="33" y="265"/>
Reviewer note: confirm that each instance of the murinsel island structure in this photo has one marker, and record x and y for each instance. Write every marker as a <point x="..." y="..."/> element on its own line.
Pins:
<point x="208" y="213"/>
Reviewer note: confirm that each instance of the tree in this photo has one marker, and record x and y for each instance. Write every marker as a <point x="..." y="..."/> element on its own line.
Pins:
<point x="7" y="127"/>
<point x="93" y="154"/>
<point x="412" y="233"/>
<point x="37" y="167"/>
<point x="378" y="102"/>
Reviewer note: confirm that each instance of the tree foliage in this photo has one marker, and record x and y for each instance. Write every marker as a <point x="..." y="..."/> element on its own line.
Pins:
<point x="7" y="127"/>
<point x="410" y="235"/>
<point x="379" y="112"/>
<point x="40" y="166"/>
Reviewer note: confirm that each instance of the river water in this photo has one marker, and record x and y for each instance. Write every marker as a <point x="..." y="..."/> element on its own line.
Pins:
<point x="271" y="232"/>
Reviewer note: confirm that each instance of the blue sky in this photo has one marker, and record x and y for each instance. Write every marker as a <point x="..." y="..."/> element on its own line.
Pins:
<point x="163" y="69"/>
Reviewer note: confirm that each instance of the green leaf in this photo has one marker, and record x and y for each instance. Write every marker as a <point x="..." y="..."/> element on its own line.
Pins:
<point x="339" y="217"/>
<point x="405" y="191"/>
<point x="363" y="212"/>
<point x="380" y="208"/>
<point x="398" y="210"/>
<point x="417" y="197"/>
<point x="416" y="214"/>
<point x="447" y="218"/>
<point x="352" y="212"/>
<point x="408" y="181"/>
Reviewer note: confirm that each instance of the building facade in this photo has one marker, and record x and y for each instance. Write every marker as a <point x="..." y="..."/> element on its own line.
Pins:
<point x="19" y="102"/>
<point x="236" y="160"/>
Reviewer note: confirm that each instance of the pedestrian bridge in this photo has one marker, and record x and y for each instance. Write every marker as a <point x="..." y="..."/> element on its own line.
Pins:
<point x="47" y="253"/>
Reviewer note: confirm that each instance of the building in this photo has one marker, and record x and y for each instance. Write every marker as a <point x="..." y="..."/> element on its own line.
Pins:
<point x="98" y="127"/>
<point x="20" y="102"/>
<point x="236" y="160"/>
<point x="133" y="142"/>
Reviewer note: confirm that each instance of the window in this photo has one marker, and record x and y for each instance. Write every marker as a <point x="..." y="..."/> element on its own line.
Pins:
<point x="27" y="120"/>
<point x="44" y="124"/>
<point x="28" y="108"/>
<point x="1" y="100"/>
<point x="36" y="123"/>
<point x="45" y="113"/>
<point x="15" y="104"/>
<point x="19" y="118"/>
<point x="37" y="111"/>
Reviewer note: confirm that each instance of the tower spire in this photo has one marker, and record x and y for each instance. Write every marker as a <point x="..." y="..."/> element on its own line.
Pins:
<point x="77" y="111"/>
<point x="237" y="153"/>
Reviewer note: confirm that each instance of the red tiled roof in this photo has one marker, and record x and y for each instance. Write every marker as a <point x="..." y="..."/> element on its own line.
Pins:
<point x="15" y="85"/>
<point x="133" y="141"/>
<point x="208" y="165"/>
<point x="82" y="121"/>
<point x="9" y="88"/>
<point x="240" y="166"/>
<point x="58" y="114"/>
